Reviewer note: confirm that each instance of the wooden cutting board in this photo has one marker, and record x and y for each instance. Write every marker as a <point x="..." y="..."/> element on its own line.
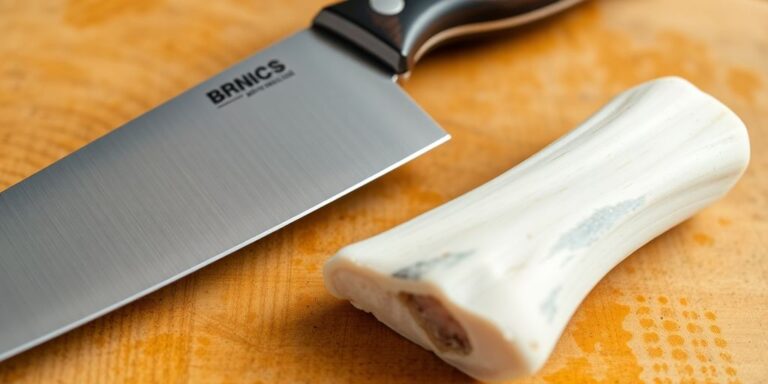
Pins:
<point x="692" y="306"/>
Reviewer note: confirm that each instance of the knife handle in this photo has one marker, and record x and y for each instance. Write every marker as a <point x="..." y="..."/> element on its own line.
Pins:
<point x="399" y="32"/>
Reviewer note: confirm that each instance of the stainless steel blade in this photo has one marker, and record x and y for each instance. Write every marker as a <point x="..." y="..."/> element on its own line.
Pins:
<point x="192" y="181"/>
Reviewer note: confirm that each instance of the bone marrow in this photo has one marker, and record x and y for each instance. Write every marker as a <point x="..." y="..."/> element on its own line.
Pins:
<point x="442" y="329"/>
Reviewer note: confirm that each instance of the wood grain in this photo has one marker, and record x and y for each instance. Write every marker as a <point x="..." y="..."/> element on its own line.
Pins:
<point x="690" y="306"/>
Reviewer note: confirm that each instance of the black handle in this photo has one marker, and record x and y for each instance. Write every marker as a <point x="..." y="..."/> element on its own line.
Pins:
<point x="398" y="32"/>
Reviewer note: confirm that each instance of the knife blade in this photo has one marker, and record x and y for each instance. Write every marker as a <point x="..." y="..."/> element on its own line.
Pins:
<point x="227" y="162"/>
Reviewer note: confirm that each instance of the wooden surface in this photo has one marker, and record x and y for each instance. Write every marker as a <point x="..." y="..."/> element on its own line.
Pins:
<point x="690" y="306"/>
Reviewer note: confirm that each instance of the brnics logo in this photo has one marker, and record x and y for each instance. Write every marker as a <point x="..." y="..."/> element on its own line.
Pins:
<point x="249" y="83"/>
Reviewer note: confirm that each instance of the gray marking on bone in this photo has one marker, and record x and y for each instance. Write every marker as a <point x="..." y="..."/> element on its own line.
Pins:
<point x="419" y="269"/>
<point x="548" y="308"/>
<point x="596" y="225"/>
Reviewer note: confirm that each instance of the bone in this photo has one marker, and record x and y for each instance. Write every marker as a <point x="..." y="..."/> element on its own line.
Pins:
<point x="489" y="281"/>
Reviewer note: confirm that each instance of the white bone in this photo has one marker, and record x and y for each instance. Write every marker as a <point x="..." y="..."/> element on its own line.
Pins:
<point x="489" y="280"/>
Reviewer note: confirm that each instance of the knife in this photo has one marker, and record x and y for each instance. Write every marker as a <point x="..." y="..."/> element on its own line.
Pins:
<point x="227" y="162"/>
